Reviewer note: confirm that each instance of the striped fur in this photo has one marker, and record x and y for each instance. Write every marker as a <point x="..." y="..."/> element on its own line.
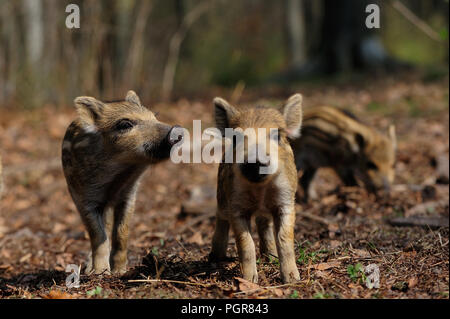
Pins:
<point x="334" y="138"/>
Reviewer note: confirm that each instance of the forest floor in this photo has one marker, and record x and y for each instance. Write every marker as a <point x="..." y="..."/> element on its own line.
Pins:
<point x="336" y="235"/>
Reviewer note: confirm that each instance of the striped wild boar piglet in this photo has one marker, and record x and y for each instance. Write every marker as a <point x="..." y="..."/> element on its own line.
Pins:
<point x="336" y="139"/>
<point x="263" y="184"/>
<point x="104" y="154"/>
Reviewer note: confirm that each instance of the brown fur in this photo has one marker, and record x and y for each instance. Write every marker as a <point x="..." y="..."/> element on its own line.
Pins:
<point x="1" y="178"/>
<point x="332" y="138"/>
<point x="270" y="200"/>
<point x="105" y="152"/>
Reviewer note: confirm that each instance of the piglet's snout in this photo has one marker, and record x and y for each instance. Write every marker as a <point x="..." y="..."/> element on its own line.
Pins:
<point x="254" y="172"/>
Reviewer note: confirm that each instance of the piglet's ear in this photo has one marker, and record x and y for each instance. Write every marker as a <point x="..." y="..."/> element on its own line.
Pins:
<point x="223" y="112"/>
<point x="293" y="115"/>
<point x="133" y="98"/>
<point x="89" y="108"/>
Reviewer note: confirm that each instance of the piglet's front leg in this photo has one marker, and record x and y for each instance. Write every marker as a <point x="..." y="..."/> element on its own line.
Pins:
<point x="100" y="243"/>
<point x="284" y="223"/>
<point x="246" y="248"/>
<point x="122" y="215"/>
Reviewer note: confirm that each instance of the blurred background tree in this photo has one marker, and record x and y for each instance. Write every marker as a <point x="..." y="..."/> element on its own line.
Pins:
<point x="167" y="48"/>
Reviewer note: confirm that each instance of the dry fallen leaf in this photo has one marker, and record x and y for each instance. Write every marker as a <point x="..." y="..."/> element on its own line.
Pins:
<point x="6" y="268"/>
<point x="335" y="244"/>
<point x="278" y="292"/>
<point x="333" y="228"/>
<point x="361" y="253"/>
<point x="56" y="294"/>
<point x="354" y="286"/>
<point x="413" y="282"/>
<point x="329" y="199"/>
<point x="322" y="274"/>
<point x="245" y="285"/>
<point x="325" y="266"/>
<point x="196" y="239"/>
<point x="25" y="258"/>
<point x="59" y="228"/>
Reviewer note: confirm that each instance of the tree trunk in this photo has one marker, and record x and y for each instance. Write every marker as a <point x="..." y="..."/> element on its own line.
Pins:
<point x="34" y="35"/>
<point x="344" y="43"/>
<point x="136" y="51"/>
<point x="296" y="31"/>
<point x="175" y="44"/>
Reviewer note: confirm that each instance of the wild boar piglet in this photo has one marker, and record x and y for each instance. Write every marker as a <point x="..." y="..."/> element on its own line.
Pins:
<point x="262" y="184"/>
<point x="335" y="138"/>
<point x="104" y="154"/>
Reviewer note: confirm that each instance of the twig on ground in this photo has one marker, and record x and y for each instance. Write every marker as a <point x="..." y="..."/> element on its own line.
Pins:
<point x="319" y="219"/>
<point x="405" y="187"/>
<point x="169" y="281"/>
<point x="269" y="287"/>
<point x="426" y="207"/>
<point x="195" y="221"/>
<point x="431" y="222"/>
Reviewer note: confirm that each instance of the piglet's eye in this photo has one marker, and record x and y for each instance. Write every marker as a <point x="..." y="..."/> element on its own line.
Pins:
<point x="124" y="125"/>
<point x="275" y="135"/>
